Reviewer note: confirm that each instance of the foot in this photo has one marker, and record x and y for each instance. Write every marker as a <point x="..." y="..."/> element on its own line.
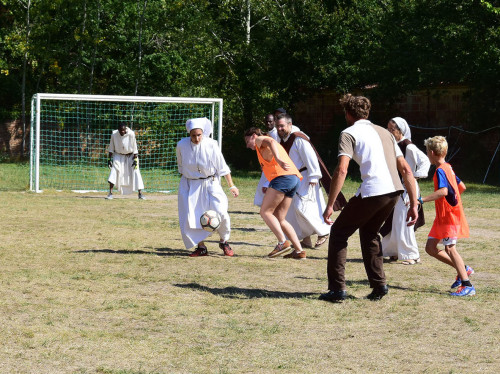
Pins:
<point x="464" y="291"/>
<point x="458" y="281"/>
<point x="306" y="242"/>
<point x="321" y="240"/>
<point x="378" y="293"/>
<point x="141" y="196"/>
<point x="411" y="262"/>
<point x="334" y="296"/>
<point x="110" y="196"/>
<point x="226" y="248"/>
<point x="201" y="250"/>
<point x="296" y="255"/>
<point x="280" y="249"/>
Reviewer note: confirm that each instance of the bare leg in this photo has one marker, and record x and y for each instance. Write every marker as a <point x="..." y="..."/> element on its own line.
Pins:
<point x="432" y="249"/>
<point x="458" y="262"/>
<point x="272" y="199"/>
<point x="111" y="185"/>
<point x="280" y="213"/>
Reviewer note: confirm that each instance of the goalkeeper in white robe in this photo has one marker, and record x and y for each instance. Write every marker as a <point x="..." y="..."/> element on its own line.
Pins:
<point x="201" y="165"/>
<point x="124" y="163"/>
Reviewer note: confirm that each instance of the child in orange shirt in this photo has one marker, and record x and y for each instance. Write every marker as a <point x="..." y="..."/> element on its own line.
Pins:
<point x="450" y="223"/>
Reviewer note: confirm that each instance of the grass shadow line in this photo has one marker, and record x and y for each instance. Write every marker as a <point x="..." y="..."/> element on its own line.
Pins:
<point x="248" y="293"/>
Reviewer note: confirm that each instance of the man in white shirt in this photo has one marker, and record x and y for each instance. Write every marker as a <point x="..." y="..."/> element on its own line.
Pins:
<point x="124" y="163"/>
<point x="379" y="158"/>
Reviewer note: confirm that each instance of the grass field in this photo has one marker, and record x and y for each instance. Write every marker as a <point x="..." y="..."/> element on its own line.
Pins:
<point x="96" y="286"/>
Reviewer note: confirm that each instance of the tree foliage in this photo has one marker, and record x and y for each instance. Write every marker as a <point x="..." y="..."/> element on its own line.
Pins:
<point x="256" y="54"/>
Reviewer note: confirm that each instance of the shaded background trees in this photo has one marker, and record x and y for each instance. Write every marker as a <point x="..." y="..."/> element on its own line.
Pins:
<point x="255" y="54"/>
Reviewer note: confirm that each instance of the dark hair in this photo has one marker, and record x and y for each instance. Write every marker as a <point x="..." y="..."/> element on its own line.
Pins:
<point x="356" y="106"/>
<point x="286" y="116"/>
<point x="280" y="110"/>
<point x="122" y="124"/>
<point x="254" y="130"/>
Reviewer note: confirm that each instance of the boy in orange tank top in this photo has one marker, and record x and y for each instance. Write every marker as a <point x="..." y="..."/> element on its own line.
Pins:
<point x="284" y="180"/>
<point x="450" y="223"/>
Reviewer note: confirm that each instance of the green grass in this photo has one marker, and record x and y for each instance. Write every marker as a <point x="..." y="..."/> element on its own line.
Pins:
<point x="96" y="286"/>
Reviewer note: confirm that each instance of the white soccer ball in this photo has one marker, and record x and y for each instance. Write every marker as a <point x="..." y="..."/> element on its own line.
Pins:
<point x="210" y="220"/>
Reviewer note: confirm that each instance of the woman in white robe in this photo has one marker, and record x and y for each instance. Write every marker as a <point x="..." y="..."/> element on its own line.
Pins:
<point x="201" y="165"/>
<point x="400" y="243"/>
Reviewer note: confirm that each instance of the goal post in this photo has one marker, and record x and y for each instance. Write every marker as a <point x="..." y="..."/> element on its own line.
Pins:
<point x="70" y="135"/>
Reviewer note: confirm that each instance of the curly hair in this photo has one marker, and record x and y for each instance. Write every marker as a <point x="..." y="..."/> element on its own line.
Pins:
<point x="437" y="144"/>
<point x="356" y="106"/>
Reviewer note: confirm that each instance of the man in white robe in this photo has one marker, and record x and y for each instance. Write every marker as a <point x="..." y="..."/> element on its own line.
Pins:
<point x="201" y="165"/>
<point x="308" y="204"/>
<point x="124" y="163"/>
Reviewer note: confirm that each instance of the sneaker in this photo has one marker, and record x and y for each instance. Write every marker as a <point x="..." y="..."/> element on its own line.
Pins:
<point x="226" y="248"/>
<point x="142" y="197"/>
<point x="280" y="249"/>
<point x="201" y="250"/>
<point x="458" y="281"/>
<point x="296" y="255"/>
<point x="378" y="293"/>
<point x="110" y="196"/>
<point x="334" y="296"/>
<point x="464" y="291"/>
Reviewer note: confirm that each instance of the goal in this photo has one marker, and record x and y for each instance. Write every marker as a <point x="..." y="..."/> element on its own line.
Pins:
<point x="70" y="135"/>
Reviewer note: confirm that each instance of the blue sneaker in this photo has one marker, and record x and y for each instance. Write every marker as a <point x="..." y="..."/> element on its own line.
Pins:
<point x="464" y="291"/>
<point x="458" y="281"/>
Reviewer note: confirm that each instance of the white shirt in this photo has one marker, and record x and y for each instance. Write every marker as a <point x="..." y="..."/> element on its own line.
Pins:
<point x="375" y="151"/>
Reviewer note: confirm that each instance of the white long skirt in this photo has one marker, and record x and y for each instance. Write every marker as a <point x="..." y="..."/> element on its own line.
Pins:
<point x="124" y="176"/>
<point x="196" y="196"/>
<point x="401" y="240"/>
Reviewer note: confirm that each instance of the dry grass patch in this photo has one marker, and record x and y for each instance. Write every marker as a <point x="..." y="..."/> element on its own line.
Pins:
<point x="96" y="286"/>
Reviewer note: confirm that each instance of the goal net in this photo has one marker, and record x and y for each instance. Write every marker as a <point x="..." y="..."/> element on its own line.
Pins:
<point x="70" y="135"/>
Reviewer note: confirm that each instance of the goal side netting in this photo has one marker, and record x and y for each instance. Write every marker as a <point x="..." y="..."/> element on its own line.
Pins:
<point x="70" y="135"/>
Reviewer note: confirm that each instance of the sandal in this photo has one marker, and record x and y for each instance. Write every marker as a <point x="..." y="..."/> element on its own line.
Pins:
<point x="411" y="262"/>
<point x="321" y="240"/>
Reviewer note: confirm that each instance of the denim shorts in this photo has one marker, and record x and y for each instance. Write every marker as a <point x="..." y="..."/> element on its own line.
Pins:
<point x="288" y="184"/>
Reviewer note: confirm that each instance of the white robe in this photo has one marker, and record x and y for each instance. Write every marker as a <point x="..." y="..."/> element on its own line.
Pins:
<point x="123" y="175"/>
<point x="306" y="211"/>
<point x="197" y="195"/>
<point x="401" y="240"/>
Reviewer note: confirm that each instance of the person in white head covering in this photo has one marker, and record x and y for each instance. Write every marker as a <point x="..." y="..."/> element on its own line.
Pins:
<point x="398" y="240"/>
<point x="201" y="165"/>
<point x="123" y="163"/>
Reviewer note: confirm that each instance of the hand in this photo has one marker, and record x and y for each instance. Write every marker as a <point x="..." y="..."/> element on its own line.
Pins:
<point x="327" y="214"/>
<point x="110" y="163"/>
<point x="135" y="163"/>
<point x="411" y="216"/>
<point x="235" y="191"/>
<point x="264" y="189"/>
<point x="283" y="164"/>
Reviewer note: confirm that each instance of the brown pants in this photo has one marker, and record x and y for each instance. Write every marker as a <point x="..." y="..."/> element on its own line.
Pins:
<point x="367" y="215"/>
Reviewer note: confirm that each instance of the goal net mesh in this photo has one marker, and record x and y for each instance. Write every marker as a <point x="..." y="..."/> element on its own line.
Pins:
<point x="70" y="138"/>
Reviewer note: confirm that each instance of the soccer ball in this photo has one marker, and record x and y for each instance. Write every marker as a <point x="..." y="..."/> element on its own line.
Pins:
<point x="210" y="220"/>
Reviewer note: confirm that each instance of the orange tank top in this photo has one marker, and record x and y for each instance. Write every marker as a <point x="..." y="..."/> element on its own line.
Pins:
<point x="272" y="169"/>
<point x="450" y="220"/>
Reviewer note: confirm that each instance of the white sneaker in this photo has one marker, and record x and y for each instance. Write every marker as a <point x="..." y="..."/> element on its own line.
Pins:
<point x="110" y="196"/>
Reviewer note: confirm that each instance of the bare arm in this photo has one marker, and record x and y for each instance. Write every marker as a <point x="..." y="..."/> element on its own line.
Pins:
<point x="442" y="192"/>
<point x="461" y="187"/>
<point x="234" y="190"/>
<point x="410" y="185"/>
<point x="338" y="179"/>
<point x="272" y="145"/>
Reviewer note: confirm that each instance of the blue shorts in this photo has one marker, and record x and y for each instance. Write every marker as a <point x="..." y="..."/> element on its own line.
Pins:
<point x="288" y="184"/>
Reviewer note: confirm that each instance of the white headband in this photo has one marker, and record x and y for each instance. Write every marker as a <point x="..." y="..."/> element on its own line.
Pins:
<point x="200" y="123"/>
<point x="403" y="127"/>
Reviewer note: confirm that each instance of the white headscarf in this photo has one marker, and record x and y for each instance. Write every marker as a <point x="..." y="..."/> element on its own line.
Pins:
<point x="200" y="123"/>
<point x="403" y="127"/>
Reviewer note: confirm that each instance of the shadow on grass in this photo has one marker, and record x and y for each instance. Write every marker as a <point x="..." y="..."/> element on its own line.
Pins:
<point x="241" y="212"/>
<point x="170" y="252"/>
<point x="249" y="293"/>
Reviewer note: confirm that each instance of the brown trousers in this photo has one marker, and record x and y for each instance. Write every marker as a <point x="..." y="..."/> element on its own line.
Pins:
<point x="367" y="215"/>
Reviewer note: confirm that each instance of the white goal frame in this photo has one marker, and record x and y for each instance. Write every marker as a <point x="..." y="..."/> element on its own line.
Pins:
<point x="36" y="125"/>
